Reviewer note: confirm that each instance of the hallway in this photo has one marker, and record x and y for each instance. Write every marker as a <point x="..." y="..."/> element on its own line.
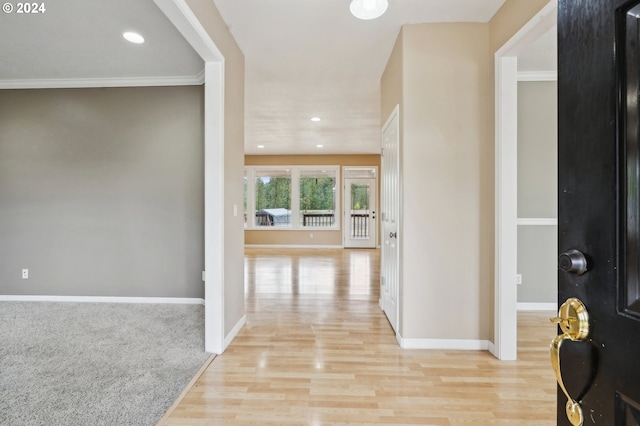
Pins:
<point x="317" y="350"/>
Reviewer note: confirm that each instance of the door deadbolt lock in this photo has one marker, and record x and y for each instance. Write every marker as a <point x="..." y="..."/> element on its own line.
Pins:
<point x="573" y="262"/>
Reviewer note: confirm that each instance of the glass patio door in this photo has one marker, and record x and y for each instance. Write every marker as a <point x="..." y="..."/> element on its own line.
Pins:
<point x="360" y="213"/>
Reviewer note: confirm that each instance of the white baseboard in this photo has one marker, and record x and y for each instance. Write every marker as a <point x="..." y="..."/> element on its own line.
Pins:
<point x="234" y="331"/>
<point x="102" y="299"/>
<point x="492" y="349"/>
<point x="293" y="246"/>
<point x="537" y="306"/>
<point x="446" y="344"/>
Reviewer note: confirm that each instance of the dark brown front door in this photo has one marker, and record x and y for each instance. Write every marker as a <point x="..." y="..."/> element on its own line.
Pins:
<point x="599" y="210"/>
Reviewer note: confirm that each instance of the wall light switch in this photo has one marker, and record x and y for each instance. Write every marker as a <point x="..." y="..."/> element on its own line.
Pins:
<point x="519" y="279"/>
<point x="25" y="274"/>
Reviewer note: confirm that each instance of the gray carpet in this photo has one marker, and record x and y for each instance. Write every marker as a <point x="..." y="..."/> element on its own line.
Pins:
<point x="95" y="363"/>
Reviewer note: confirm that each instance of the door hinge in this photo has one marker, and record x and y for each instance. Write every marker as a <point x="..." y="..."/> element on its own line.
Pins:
<point x="204" y="276"/>
<point x="382" y="152"/>
<point x="382" y="281"/>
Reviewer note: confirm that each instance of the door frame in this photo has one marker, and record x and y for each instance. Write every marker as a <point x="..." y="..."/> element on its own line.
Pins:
<point x="506" y="180"/>
<point x="185" y="21"/>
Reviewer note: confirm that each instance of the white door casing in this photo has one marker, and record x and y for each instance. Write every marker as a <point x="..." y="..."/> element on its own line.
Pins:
<point x="506" y="175"/>
<point x="390" y="219"/>
<point x="182" y="17"/>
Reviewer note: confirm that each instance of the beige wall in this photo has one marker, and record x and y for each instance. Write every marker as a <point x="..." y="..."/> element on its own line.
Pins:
<point x="298" y="237"/>
<point x="444" y="100"/>
<point x="442" y="75"/>
<point x="209" y="17"/>
<point x="537" y="190"/>
<point x="391" y="92"/>
<point x="510" y="18"/>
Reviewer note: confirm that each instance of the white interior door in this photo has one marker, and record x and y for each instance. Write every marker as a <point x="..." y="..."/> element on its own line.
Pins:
<point x="360" y="216"/>
<point x="390" y="197"/>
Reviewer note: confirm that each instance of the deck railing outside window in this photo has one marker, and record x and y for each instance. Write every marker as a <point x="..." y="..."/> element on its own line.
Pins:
<point x="360" y="225"/>
<point x="318" y="219"/>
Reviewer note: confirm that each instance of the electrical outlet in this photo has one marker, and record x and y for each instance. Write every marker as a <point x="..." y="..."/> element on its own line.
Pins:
<point x="25" y="274"/>
<point x="519" y="279"/>
<point x="311" y="235"/>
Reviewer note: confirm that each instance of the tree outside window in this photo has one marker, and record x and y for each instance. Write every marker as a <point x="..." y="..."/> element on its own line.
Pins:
<point x="273" y="197"/>
<point x="360" y="197"/>
<point x="296" y="197"/>
<point x="317" y="197"/>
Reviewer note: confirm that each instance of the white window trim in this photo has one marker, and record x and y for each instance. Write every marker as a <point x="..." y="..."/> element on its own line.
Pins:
<point x="295" y="199"/>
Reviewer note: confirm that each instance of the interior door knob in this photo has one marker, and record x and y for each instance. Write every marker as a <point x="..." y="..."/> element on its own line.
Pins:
<point x="573" y="262"/>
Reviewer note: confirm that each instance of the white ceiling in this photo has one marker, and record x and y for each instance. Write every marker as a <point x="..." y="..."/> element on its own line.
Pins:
<point x="303" y="58"/>
<point x="308" y="58"/>
<point x="83" y="40"/>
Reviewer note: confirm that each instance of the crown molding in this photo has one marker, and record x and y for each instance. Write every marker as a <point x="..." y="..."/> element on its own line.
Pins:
<point x="64" y="83"/>
<point x="537" y="76"/>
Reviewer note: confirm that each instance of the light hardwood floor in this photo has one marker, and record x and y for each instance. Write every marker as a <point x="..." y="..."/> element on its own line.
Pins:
<point x="317" y="350"/>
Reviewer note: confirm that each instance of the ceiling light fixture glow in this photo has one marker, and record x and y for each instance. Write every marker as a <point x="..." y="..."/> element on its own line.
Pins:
<point x="368" y="9"/>
<point x="260" y="146"/>
<point x="132" y="37"/>
<point x="316" y="119"/>
<point x="319" y="146"/>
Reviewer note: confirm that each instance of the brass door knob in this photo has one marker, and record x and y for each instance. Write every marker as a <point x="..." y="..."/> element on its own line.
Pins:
<point x="573" y="320"/>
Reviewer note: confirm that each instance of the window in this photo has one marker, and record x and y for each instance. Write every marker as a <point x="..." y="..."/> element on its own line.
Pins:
<point x="272" y="197"/>
<point x="317" y="197"/>
<point x="300" y="197"/>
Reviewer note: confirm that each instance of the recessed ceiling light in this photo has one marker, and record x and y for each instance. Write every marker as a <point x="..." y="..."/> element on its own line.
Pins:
<point x="316" y="119"/>
<point x="368" y="9"/>
<point x="260" y="146"/>
<point x="133" y="37"/>
<point x="319" y="146"/>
